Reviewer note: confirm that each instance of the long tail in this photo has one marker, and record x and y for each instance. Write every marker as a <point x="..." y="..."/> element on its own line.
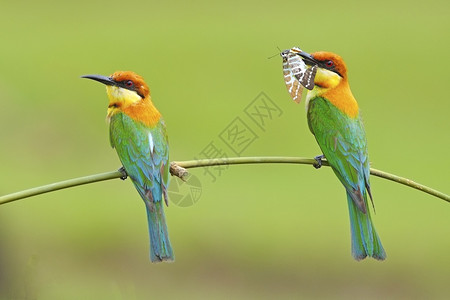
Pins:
<point x="365" y="240"/>
<point x="160" y="247"/>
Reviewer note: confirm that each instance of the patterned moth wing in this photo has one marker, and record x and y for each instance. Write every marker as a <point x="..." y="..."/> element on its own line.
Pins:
<point x="292" y="61"/>
<point x="303" y="74"/>
<point x="307" y="78"/>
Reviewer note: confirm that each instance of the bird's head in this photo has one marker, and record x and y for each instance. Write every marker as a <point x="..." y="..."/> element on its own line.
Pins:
<point x="331" y="70"/>
<point x="128" y="93"/>
<point x="124" y="88"/>
<point x="331" y="81"/>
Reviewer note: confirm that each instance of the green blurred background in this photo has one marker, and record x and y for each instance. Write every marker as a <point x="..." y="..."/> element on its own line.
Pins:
<point x="257" y="231"/>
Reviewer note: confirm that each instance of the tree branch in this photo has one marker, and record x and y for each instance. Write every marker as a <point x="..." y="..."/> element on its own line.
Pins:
<point x="178" y="169"/>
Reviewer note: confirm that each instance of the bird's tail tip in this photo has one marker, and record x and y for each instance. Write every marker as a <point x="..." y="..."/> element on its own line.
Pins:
<point x="160" y="247"/>
<point x="365" y="240"/>
<point x="361" y="254"/>
<point x="168" y="258"/>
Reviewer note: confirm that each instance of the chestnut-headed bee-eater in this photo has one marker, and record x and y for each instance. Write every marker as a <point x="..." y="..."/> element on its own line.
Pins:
<point x="138" y="133"/>
<point x="334" y="119"/>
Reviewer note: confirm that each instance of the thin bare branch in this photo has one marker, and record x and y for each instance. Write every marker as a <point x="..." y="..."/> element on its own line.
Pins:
<point x="178" y="169"/>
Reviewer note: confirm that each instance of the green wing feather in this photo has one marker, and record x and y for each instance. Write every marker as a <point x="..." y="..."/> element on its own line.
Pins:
<point x="144" y="154"/>
<point x="131" y="139"/>
<point x="343" y="142"/>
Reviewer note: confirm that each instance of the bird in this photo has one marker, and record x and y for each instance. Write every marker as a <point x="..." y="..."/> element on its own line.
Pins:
<point x="138" y="133"/>
<point x="334" y="119"/>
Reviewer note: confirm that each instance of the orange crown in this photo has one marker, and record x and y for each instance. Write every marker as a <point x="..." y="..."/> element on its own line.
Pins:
<point x="141" y="87"/>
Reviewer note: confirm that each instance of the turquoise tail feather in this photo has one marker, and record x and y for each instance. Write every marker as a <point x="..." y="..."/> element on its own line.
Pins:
<point x="365" y="240"/>
<point x="160" y="247"/>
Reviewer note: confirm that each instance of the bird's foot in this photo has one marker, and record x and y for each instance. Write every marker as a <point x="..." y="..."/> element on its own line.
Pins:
<point x="124" y="173"/>
<point x="318" y="163"/>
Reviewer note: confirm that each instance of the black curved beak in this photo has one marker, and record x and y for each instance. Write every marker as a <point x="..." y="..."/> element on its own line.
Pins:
<point x="100" y="78"/>
<point x="308" y="58"/>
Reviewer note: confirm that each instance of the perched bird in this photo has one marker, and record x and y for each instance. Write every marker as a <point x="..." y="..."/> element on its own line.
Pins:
<point x="334" y="119"/>
<point x="138" y="133"/>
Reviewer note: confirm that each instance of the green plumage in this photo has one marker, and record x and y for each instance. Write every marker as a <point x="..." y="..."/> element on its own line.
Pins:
<point x="144" y="154"/>
<point x="342" y="140"/>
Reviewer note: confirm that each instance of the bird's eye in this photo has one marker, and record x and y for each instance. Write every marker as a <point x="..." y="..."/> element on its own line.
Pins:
<point x="129" y="83"/>
<point x="329" y="63"/>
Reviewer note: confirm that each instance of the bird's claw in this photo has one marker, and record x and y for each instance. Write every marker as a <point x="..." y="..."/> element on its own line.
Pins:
<point x="124" y="173"/>
<point x="318" y="163"/>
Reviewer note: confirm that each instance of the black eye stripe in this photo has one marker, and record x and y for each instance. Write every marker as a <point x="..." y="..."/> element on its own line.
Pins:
<point x="332" y="67"/>
<point x="129" y="85"/>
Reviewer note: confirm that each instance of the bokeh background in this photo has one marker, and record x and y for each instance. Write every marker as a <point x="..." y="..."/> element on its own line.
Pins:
<point x="259" y="231"/>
